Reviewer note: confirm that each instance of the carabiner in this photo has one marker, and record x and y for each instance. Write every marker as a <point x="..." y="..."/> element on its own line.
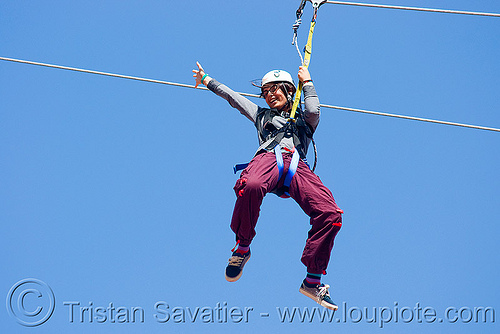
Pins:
<point x="317" y="3"/>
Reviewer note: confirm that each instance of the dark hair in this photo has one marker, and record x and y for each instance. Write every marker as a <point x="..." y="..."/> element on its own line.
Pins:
<point x="289" y="87"/>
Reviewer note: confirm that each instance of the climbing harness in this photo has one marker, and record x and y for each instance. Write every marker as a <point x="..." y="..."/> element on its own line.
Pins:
<point x="299" y="131"/>
<point x="295" y="128"/>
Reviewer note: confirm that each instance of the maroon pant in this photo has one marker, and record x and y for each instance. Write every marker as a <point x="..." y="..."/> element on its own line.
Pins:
<point x="261" y="177"/>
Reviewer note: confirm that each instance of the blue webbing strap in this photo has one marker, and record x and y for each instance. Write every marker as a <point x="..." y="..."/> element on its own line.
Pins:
<point x="279" y="160"/>
<point x="291" y="171"/>
<point x="239" y="167"/>
<point x="294" y="163"/>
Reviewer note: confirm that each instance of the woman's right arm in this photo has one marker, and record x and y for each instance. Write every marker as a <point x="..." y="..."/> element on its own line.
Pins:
<point x="244" y="105"/>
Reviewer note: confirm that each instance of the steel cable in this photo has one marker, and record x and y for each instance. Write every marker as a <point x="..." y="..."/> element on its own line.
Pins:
<point x="421" y="9"/>
<point x="420" y="119"/>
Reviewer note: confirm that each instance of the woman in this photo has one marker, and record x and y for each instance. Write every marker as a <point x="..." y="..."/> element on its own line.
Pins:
<point x="276" y="167"/>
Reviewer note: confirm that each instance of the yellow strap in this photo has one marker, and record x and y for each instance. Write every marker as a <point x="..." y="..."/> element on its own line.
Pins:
<point x="307" y="59"/>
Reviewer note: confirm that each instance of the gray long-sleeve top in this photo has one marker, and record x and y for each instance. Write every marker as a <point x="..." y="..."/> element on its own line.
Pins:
<point x="250" y="110"/>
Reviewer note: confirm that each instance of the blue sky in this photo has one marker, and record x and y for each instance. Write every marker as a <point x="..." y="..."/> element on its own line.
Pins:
<point x="116" y="191"/>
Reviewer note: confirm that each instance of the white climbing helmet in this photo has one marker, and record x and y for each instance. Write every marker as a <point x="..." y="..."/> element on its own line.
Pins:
<point x="277" y="76"/>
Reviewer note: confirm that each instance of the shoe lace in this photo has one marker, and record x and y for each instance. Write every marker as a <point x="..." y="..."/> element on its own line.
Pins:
<point x="235" y="260"/>
<point x="323" y="291"/>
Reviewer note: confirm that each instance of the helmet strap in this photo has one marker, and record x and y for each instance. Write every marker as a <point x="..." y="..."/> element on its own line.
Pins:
<point x="289" y="98"/>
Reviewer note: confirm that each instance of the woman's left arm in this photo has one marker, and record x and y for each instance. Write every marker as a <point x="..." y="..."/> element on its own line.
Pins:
<point x="311" y="100"/>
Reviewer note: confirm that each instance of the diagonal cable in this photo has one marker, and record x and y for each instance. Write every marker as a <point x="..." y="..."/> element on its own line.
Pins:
<point x="121" y="76"/>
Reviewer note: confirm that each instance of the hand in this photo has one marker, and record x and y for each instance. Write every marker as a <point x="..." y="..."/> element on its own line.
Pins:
<point x="198" y="74"/>
<point x="304" y="74"/>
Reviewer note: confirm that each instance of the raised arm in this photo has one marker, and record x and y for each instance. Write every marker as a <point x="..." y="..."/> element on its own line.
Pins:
<point x="311" y="100"/>
<point x="200" y="76"/>
<point x="244" y="105"/>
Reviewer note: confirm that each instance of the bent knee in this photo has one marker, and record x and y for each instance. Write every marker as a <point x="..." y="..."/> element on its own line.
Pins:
<point x="337" y="219"/>
<point x="245" y="186"/>
<point x="331" y="216"/>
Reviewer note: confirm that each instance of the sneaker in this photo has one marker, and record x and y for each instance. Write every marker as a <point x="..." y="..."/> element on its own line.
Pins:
<point x="235" y="266"/>
<point x="319" y="294"/>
